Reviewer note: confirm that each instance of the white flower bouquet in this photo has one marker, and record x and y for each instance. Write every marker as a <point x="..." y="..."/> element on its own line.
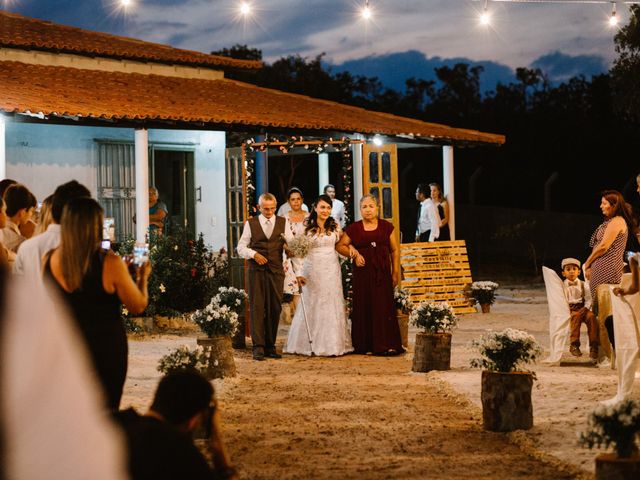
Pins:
<point x="506" y="351"/>
<point x="232" y="297"/>
<point x="433" y="317"/>
<point x="216" y="320"/>
<point x="299" y="246"/>
<point x="403" y="300"/>
<point x="483" y="293"/>
<point x="616" y="425"/>
<point x="184" y="358"/>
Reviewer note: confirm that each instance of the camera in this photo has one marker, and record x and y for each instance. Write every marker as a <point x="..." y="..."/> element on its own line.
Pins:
<point x="140" y="254"/>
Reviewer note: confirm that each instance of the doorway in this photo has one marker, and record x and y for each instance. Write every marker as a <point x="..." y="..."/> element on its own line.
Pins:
<point x="172" y="173"/>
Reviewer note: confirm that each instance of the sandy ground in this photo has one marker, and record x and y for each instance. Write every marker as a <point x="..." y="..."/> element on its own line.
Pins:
<point x="371" y="417"/>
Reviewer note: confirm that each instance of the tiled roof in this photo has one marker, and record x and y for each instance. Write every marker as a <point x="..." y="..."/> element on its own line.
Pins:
<point x="64" y="91"/>
<point x="17" y="31"/>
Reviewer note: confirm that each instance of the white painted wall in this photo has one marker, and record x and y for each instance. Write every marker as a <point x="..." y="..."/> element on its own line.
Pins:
<point x="44" y="156"/>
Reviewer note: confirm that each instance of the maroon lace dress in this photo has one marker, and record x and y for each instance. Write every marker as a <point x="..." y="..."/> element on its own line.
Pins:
<point x="374" y="326"/>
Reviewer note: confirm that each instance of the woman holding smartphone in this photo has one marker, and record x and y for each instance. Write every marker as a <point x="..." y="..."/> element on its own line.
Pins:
<point x="95" y="283"/>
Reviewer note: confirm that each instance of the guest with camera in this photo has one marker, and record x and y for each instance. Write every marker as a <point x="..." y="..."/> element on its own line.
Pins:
<point x="159" y="442"/>
<point x="95" y="283"/>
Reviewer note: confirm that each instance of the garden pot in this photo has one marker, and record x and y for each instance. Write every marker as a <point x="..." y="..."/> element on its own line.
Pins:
<point x="432" y="352"/>
<point x="506" y="401"/>
<point x="611" y="467"/>
<point x="485" y="307"/>
<point x="221" y="363"/>
<point x="403" y="324"/>
<point x="239" y="339"/>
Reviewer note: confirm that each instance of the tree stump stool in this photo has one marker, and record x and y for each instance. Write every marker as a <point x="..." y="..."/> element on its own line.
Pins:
<point x="220" y="353"/>
<point x="506" y="401"/>
<point x="432" y="352"/>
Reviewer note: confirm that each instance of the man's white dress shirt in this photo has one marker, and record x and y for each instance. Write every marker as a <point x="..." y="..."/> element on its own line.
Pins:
<point x="337" y="212"/>
<point x="267" y="225"/>
<point x="429" y="219"/>
<point x="28" y="262"/>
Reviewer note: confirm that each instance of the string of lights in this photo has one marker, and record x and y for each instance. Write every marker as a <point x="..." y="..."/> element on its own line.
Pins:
<point x="367" y="11"/>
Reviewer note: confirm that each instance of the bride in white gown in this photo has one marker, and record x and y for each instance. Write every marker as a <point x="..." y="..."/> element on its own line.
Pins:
<point x="321" y="291"/>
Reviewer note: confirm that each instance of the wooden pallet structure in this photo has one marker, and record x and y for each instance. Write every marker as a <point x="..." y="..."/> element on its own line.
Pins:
<point x="437" y="272"/>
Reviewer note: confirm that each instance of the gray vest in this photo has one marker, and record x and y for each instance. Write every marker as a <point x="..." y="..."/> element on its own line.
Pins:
<point x="270" y="248"/>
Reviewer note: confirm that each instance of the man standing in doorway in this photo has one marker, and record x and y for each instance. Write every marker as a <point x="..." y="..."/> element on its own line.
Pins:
<point x="262" y="243"/>
<point x="428" y="225"/>
<point x="157" y="212"/>
<point x="337" y="206"/>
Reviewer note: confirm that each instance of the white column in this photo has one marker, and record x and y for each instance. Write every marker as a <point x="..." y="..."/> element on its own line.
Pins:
<point x="142" y="184"/>
<point x="357" y="179"/>
<point x="3" y="151"/>
<point x="323" y="171"/>
<point x="449" y="190"/>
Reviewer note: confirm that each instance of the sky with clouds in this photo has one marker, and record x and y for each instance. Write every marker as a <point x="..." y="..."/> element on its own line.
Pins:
<point x="521" y="33"/>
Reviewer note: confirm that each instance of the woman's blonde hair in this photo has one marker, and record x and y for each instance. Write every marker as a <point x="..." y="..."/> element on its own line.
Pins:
<point x="80" y="237"/>
<point x="45" y="217"/>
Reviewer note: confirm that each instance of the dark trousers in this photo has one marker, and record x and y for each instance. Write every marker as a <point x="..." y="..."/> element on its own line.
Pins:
<point x="579" y="315"/>
<point x="265" y="295"/>
<point x="424" y="237"/>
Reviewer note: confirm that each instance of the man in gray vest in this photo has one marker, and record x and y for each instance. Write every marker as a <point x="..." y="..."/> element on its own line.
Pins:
<point x="262" y="243"/>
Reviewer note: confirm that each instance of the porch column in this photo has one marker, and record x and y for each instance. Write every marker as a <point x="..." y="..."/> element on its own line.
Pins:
<point x="142" y="184"/>
<point x="323" y="171"/>
<point x="357" y="179"/>
<point x="262" y="170"/>
<point x="3" y="151"/>
<point x="449" y="191"/>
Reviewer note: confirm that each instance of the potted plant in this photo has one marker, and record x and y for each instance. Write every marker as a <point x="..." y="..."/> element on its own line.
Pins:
<point x="183" y="358"/>
<point x="433" y="343"/>
<point x="618" y="426"/>
<point x="404" y="305"/>
<point x="483" y="293"/>
<point x="219" y="323"/>
<point x="235" y="299"/>
<point x="506" y="386"/>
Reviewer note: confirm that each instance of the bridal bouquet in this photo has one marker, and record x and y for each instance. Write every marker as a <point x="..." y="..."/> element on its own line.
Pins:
<point x="299" y="246"/>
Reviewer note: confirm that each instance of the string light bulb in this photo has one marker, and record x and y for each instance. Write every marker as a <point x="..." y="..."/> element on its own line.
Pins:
<point x="613" y="19"/>
<point x="377" y="141"/>
<point x="367" y="13"/>
<point x="245" y="9"/>
<point x="485" y="17"/>
<point x="125" y="3"/>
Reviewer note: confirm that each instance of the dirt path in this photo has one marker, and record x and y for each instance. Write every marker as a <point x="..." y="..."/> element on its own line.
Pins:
<point x="362" y="418"/>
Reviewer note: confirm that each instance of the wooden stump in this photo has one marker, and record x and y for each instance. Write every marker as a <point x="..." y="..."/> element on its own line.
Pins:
<point x="611" y="467"/>
<point x="432" y="352"/>
<point x="506" y="401"/>
<point x="403" y="324"/>
<point x="239" y="340"/>
<point x="485" y="307"/>
<point x="221" y="363"/>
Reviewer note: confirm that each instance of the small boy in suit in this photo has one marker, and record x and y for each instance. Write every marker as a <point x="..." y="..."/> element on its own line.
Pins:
<point x="579" y="300"/>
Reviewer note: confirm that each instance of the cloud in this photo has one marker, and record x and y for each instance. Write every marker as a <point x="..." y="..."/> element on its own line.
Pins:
<point x="561" y="67"/>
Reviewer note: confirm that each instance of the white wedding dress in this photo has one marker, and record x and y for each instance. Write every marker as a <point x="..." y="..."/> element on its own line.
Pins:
<point x="323" y="303"/>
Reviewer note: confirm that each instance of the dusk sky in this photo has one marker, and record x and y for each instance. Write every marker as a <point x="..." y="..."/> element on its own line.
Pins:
<point x="566" y="38"/>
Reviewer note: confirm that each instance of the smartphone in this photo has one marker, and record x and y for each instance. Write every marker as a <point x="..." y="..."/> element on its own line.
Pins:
<point x="628" y="255"/>
<point x="140" y="254"/>
<point x="106" y="244"/>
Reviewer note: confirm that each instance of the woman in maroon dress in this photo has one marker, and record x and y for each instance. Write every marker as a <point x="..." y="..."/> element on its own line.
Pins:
<point x="374" y="249"/>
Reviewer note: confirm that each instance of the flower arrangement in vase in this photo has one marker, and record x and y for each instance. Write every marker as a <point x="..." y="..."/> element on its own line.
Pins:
<point x="483" y="293"/>
<point x="506" y="386"/>
<point x="403" y="300"/>
<point x="433" y="317"/>
<point x="216" y="320"/>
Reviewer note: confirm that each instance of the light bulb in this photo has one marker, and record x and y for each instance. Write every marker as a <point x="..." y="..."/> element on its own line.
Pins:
<point x="125" y="3"/>
<point x="613" y="20"/>
<point x="485" y="18"/>
<point x="377" y="141"/>
<point x="366" y="13"/>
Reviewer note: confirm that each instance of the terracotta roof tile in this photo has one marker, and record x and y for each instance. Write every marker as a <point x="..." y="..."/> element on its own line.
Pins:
<point x="17" y="31"/>
<point x="66" y="91"/>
